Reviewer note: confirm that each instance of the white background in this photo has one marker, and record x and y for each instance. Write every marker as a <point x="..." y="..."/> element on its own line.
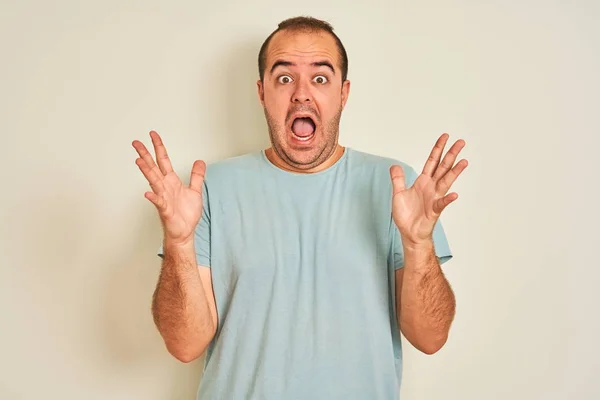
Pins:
<point x="518" y="80"/>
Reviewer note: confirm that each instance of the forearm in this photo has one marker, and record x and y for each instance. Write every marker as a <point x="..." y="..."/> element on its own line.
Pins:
<point x="180" y="306"/>
<point x="426" y="302"/>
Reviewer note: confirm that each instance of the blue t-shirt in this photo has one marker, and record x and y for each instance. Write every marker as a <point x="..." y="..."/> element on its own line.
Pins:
<point x="303" y="275"/>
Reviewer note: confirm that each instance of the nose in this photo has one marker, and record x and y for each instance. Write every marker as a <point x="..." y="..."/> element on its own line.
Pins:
<point x="302" y="94"/>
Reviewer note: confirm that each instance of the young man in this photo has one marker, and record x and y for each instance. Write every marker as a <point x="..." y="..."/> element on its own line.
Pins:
<point x="295" y="268"/>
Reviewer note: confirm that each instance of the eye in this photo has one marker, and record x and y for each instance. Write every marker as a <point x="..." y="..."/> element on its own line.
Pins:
<point x="284" y="79"/>
<point x="320" y="79"/>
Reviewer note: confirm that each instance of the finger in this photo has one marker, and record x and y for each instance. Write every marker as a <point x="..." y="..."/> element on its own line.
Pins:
<point x="145" y="154"/>
<point x="441" y="204"/>
<point x="162" y="158"/>
<point x="449" y="159"/>
<point x="398" y="181"/>
<point x="155" y="199"/>
<point x="435" y="155"/>
<point x="151" y="175"/>
<point x="448" y="180"/>
<point x="197" y="178"/>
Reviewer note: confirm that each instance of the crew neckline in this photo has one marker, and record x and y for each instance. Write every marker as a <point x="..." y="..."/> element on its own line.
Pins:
<point x="327" y="170"/>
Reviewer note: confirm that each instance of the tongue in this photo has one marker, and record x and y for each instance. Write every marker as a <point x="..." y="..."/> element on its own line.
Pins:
<point x="303" y="127"/>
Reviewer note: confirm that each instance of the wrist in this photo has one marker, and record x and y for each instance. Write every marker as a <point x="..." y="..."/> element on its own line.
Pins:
<point x="418" y="254"/>
<point x="178" y="246"/>
<point x="417" y="245"/>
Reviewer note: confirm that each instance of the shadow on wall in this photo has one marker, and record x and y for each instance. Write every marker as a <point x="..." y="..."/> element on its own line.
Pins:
<point x="243" y="127"/>
<point x="132" y="340"/>
<point x="128" y="329"/>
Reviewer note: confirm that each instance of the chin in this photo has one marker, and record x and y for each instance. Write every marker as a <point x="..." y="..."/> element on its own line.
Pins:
<point x="304" y="155"/>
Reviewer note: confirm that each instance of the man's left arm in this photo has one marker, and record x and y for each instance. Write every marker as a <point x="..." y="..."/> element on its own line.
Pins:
<point x="425" y="303"/>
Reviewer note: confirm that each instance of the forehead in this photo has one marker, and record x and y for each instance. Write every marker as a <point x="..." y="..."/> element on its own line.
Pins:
<point x="302" y="48"/>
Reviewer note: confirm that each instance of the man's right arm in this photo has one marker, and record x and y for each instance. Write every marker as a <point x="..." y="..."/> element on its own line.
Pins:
<point x="183" y="304"/>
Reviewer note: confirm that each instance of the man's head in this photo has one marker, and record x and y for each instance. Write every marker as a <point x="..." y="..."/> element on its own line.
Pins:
<point x="303" y="88"/>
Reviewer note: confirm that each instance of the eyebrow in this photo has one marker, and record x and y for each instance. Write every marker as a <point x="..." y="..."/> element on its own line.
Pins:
<point x="283" y="63"/>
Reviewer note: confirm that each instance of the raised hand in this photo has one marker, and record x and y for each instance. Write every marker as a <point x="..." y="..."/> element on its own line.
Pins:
<point x="416" y="210"/>
<point x="179" y="206"/>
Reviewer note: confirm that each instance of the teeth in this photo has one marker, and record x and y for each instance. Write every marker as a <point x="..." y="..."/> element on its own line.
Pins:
<point x="303" y="139"/>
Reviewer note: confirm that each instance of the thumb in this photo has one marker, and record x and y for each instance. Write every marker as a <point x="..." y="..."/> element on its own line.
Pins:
<point x="397" y="175"/>
<point x="197" y="178"/>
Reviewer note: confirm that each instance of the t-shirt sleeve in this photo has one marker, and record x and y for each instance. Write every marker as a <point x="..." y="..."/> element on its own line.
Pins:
<point x="201" y="233"/>
<point x="440" y="241"/>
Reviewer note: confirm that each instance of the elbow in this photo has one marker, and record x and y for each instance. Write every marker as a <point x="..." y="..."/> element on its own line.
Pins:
<point x="430" y="350"/>
<point x="185" y="357"/>
<point x="186" y="347"/>
<point x="431" y="347"/>
<point x="185" y="354"/>
<point x="425" y="341"/>
<point x="188" y="350"/>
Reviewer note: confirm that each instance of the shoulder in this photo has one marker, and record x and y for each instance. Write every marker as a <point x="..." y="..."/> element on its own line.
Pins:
<point x="369" y="161"/>
<point x="233" y="166"/>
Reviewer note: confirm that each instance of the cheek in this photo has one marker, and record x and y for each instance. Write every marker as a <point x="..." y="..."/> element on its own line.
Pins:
<point x="329" y="100"/>
<point x="276" y="103"/>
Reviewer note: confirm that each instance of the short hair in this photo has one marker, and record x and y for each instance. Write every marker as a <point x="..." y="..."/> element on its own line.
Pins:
<point x="299" y="24"/>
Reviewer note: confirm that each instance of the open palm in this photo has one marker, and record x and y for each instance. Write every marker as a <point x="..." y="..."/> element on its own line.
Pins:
<point x="415" y="210"/>
<point x="179" y="206"/>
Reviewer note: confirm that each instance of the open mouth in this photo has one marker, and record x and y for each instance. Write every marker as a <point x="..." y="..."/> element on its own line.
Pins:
<point x="303" y="129"/>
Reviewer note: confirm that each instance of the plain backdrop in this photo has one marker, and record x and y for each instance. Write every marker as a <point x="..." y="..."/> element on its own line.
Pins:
<point x="518" y="80"/>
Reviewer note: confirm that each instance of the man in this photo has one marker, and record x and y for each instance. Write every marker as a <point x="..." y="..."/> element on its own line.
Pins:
<point x="296" y="268"/>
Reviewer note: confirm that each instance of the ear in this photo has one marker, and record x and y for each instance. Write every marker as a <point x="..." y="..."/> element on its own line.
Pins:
<point x="261" y="92"/>
<point x="345" y="92"/>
